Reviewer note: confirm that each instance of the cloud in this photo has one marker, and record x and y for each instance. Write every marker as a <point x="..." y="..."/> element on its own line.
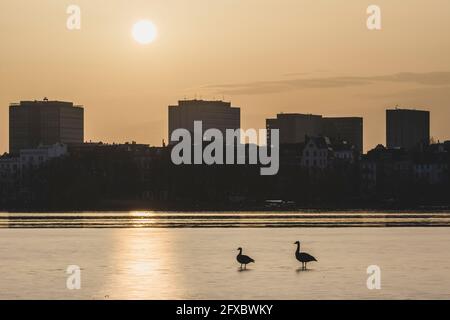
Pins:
<point x="428" y="94"/>
<point x="266" y="87"/>
<point x="430" y="78"/>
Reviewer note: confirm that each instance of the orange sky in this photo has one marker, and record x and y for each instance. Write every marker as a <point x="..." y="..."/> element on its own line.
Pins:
<point x="266" y="56"/>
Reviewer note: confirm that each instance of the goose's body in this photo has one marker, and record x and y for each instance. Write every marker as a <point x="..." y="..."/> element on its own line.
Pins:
<point x="303" y="257"/>
<point x="243" y="259"/>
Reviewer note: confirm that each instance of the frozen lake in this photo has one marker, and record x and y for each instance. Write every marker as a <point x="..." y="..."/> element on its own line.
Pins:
<point x="199" y="263"/>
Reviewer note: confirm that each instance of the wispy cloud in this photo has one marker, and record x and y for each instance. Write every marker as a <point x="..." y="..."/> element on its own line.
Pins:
<point x="265" y="87"/>
<point x="425" y="93"/>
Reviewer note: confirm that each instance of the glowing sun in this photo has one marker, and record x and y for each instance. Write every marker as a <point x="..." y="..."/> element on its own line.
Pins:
<point x="144" y="32"/>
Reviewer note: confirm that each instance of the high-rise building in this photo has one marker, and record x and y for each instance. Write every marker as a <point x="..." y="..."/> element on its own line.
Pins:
<point x="407" y="128"/>
<point x="294" y="127"/>
<point x="348" y="129"/>
<point x="34" y="123"/>
<point x="213" y="114"/>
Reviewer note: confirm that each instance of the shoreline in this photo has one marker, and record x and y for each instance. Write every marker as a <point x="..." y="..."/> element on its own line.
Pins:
<point x="239" y="209"/>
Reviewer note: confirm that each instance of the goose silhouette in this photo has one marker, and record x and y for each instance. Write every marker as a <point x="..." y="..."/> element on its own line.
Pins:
<point x="243" y="259"/>
<point x="303" y="257"/>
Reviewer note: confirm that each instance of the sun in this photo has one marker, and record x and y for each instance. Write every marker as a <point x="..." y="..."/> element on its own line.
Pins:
<point x="144" y="32"/>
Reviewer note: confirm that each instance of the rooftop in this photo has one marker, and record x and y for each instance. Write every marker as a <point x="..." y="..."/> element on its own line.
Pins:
<point x="44" y="102"/>
<point x="280" y="115"/>
<point x="203" y="103"/>
<point x="397" y="109"/>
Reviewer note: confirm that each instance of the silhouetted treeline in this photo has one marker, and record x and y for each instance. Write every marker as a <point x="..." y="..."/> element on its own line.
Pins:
<point x="122" y="179"/>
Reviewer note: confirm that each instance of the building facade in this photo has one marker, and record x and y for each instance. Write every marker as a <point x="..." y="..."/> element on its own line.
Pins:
<point x="34" y="123"/>
<point x="317" y="153"/>
<point x="407" y="128"/>
<point x="294" y="127"/>
<point x="31" y="158"/>
<point x="213" y="114"/>
<point x="349" y="129"/>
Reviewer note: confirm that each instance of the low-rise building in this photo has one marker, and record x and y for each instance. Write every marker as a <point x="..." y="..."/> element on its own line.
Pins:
<point x="317" y="153"/>
<point x="34" y="158"/>
<point x="385" y="168"/>
<point x="345" y="152"/>
<point x="9" y="168"/>
<point x="431" y="166"/>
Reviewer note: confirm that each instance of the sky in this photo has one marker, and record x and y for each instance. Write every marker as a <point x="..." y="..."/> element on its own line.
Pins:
<point x="265" y="56"/>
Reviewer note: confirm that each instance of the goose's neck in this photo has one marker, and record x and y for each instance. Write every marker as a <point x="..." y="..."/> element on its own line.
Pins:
<point x="298" y="247"/>
<point x="240" y="251"/>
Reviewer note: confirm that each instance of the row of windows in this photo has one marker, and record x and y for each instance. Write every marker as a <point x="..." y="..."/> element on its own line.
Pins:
<point x="344" y="156"/>
<point x="8" y="166"/>
<point x="405" y="166"/>
<point x="25" y="159"/>
<point x="315" y="162"/>
<point x="430" y="166"/>
<point x="315" y="153"/>
<point x="423" y="175"/>
<point x="15" y="167"/>
<point x="369" y="176"/>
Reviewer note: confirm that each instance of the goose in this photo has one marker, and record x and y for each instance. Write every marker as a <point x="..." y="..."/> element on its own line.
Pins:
<point x="243" y="259"/>
<point x="303" y="257"/>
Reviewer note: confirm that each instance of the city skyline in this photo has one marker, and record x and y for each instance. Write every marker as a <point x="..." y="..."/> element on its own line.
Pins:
<point x="43" y="123"/>
<point x="216" y="114"/>
<point x="264" y="65"/>
<point x="240" y="158"/>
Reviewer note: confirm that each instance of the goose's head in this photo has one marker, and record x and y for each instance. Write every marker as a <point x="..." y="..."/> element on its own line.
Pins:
<point x="239" y="249"/>
<point x="297" y="242"/>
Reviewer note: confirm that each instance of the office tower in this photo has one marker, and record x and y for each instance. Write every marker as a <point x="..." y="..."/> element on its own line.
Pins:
<point x="348" y="129"/>
<point x="213" y="114"/>
<point x="34" y="123"/>
<point x="407" y="128"/>
<point x="294" y="127"/>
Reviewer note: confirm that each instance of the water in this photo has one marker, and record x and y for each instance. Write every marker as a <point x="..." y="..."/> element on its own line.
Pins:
<point x="151" y="260"/>
<point x="222" y="220"/>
